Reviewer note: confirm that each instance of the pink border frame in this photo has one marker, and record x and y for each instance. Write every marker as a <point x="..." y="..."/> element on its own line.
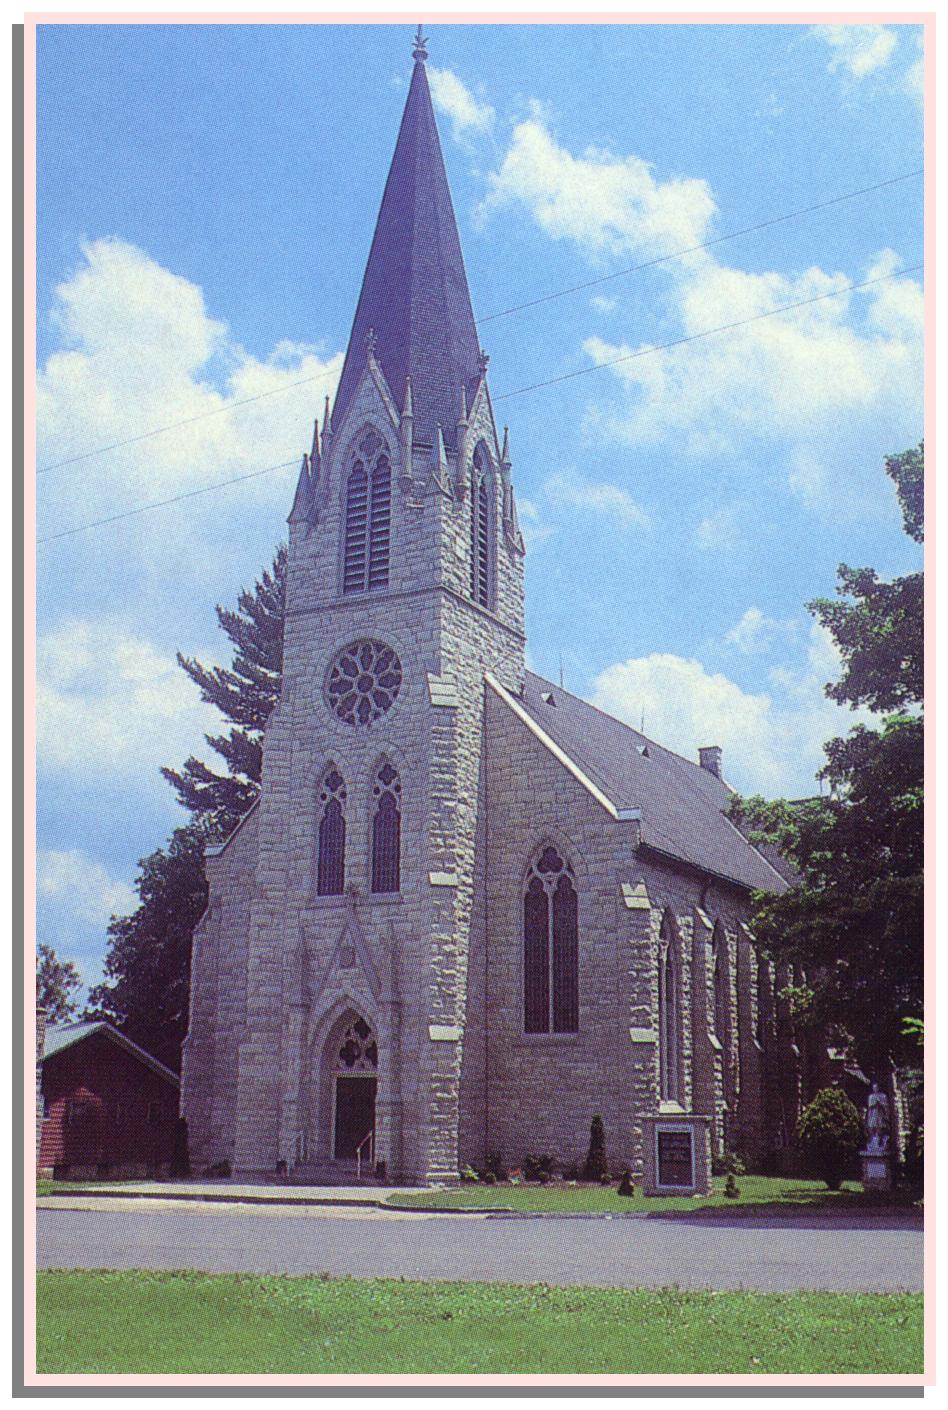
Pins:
<point x="924" y="18"/>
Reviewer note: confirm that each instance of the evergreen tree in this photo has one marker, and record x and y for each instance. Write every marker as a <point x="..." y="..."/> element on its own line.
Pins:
<point x="56" y="982"/>
<point x="245" y="694"/>
<point x="148" y="966"/>
<point x="852" y="925"/>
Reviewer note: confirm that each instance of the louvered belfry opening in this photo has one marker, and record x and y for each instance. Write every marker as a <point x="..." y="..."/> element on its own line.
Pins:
<point x="368" y="518"/>
<point x="480" y="531"/>
<point x="386" y="831"/>
<point x="550" y="947"/>
<point x="331" y="858"/>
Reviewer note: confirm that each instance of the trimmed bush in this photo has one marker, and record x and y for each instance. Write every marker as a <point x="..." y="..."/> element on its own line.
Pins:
<point x="626" y="1186"/>
<point x="730" y="1187"/>
<point x="596" y="1164"/>
<point x="828" y="1134"/>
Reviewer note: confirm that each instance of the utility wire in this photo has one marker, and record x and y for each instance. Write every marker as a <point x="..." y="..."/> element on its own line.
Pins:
<point x="160" y="503"/>
<point x="501" y="313"/>
<point x="567" y="376"/>
<point x="705" y="245"/>
<point x="693" y="337"/>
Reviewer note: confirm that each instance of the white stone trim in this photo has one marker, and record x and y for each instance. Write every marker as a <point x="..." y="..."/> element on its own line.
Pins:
<point x="444" y="1032"/>
<point x="642" y="1035"/>
<point x="636" y="898"/>
<point x="443" y="878"/>
<point x="548" y="743"/>
<point x="443" y="690"/>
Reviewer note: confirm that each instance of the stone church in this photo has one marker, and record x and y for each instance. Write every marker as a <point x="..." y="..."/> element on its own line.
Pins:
<point x="469" y="910"/>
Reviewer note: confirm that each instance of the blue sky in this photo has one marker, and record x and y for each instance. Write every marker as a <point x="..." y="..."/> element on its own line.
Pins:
<point x="206" y="198"/>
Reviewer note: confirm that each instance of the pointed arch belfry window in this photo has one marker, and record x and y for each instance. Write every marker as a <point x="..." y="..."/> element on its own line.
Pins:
<point x="386" y="830"/>
<point x="331" y="848"/>
<point x="481" y="529"/>
<point x="669" y="1017"/>
<point x="368" y="526"/>
<point x="550" y="947"/>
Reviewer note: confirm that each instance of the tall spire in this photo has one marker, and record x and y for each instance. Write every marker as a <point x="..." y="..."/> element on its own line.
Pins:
<point x="414" y="293"/>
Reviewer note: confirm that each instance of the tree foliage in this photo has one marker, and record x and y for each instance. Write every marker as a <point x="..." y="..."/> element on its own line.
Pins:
<point x="148" y="965"/>
<point x="828" y="1134"/>
<point x="245" y="693"/>
<point x="56" y="982"/>
<point x="852" y="924"/>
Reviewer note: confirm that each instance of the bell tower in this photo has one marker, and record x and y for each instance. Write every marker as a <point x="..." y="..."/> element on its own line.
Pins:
<point x="405" y="586"/>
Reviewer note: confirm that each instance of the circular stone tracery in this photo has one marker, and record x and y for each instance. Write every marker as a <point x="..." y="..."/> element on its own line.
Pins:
<point x="364" y="681"/>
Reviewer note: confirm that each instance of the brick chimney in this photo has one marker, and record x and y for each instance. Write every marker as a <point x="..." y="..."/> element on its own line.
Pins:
<point x="709" y="757"/>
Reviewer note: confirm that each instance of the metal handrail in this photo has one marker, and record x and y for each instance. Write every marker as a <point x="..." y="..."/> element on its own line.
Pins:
<point x="370" y="1141"/>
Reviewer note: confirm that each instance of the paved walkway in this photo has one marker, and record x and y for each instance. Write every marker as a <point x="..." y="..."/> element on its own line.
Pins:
<point x="723" y="1254"/>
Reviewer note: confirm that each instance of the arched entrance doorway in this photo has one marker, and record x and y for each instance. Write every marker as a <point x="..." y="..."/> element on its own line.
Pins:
<point x="354" y="1082"/>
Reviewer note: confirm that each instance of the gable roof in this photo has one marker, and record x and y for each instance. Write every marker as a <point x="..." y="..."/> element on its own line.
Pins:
<point x="415" y="296"/>
<point x="65" y="1035"/>
<point x="680" y="804"/>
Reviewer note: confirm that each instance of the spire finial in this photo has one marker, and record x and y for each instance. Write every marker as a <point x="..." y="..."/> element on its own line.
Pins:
<point x="420" y="51"/>
<point x="370" y="342"/>
<point x="482" y="361"/>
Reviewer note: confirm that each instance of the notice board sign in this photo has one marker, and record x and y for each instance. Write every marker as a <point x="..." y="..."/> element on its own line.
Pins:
<point x="674" y="1151"/>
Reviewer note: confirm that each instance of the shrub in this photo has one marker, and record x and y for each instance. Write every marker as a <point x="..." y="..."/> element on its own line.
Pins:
<point x="728" y="1163"/>
<point x="539" y="1167"/>
<point x="596" y="1164"/>
<point x="626" y="1185"/>
<point x="469" y="1176"/>
<point x="219" y="1170"/>
<point x="828" y="1134"/>
<point x="495" y="1166"/>
<point x="730" y="1187"/>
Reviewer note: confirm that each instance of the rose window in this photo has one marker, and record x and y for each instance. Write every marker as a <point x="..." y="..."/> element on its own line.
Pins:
<point x="358" y="1051"/>
<point x="364" y="682"/>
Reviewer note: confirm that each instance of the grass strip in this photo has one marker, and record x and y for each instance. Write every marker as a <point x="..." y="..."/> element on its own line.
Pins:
<point x="197" y="1323"/>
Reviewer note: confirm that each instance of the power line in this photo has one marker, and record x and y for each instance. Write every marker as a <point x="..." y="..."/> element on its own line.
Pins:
<point x="187" y="421"/>
<point x="705" y="245"/>
<point x="501" y="313"/>
<point x="160" y="503"/>
<point x="693" y="337"/>
<point x="536" y="386"/>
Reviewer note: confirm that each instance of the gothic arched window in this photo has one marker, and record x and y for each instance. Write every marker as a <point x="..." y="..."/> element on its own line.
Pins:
<point x="331" y="852"/>
<point x="480" y="529"/>
<point x="386" y="830"/>
<point x="722" y="1007"/>
<point x="669" y="1017"/>
<point x="368" y="517"/>
<point x="550" y="947"/>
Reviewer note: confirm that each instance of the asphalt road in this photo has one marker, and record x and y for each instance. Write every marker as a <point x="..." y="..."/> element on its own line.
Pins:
<point x="879" y="1256"/>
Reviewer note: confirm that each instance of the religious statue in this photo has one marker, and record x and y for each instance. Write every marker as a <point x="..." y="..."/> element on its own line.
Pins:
<point x="877" y="1122"/>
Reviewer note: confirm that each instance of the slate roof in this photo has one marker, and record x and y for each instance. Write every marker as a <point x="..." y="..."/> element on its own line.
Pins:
<point x="681" y="804"/>
<point x="60" y="1036"/>
<point x="415" y="294"/>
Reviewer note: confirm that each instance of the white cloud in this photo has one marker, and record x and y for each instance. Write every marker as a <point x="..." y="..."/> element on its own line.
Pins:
<point x="137" y="350"/>
<point x="603" y="305"/>
<point x="756" y="633"/>
<point x="721" y="531"/>
<point x="568" y="490"/>
<point x="452" y="97"/>
<point x="858" y="49"/>
<point x="604" y="203"/>
<point x="82" y="886"/>
<point x="108" y="702"/>
<point x="772" y="740"/>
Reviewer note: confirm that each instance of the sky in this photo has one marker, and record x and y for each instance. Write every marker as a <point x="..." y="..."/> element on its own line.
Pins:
<point x="206" y="201"/>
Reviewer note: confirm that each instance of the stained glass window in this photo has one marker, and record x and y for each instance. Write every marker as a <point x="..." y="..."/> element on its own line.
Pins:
<point x="331" y="860"/>
<point x="364" y="681"/>
<point x="550" y="947"/>
<point x="668" y="1016"/>
<point x="386" y="831"/>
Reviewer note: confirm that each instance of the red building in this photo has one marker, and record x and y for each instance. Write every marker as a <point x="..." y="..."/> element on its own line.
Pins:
<point x="108" y="1107"/>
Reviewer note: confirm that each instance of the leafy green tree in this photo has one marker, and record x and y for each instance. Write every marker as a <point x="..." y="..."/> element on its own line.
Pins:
<point x="828" y="1134"/>
<point x="245" y="694"/>
<point x="56" y="982"/>
<point x="852" y="923"/>
<point x="148" y="965"/>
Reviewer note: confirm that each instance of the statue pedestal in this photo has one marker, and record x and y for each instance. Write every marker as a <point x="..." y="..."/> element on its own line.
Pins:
<point x="876" y="1170"/>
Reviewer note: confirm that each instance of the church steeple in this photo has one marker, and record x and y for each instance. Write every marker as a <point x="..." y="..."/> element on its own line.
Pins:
<point x="415" y="294"/>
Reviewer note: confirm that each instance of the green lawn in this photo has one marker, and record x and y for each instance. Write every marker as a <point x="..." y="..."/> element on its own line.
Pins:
<point x="150" y="1323"/>
<point x="756" y="1191"/>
